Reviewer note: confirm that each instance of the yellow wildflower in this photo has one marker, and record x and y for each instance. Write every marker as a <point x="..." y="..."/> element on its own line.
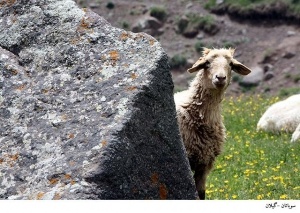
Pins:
<point x="284" y="196"/>
<point x="259" y="197"/>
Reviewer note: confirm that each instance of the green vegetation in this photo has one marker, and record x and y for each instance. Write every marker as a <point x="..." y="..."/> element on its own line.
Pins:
<point x="178" y="61"/>
<point x="268" y="55"/>
<point x="289" y="91"/>
<point x="297" y="78"/>
<point x="228" y="44"/>
<point x="254" y="165"/>
<point x="158" y="12"/>
<point x="110" y="5"/>
<point x="240" y="3"/>
<point x="293" y="5"/>
<point x="207" y="22"/>
<point x="199" y="46"/>
<point x="236" y="78"/>
<point x="194" y="21"/>
<point x="125" y="25"/>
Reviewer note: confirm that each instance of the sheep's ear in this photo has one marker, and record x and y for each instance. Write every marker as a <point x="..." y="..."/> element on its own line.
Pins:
<point x="239" y="67"/>
<point x="200" y="64"/>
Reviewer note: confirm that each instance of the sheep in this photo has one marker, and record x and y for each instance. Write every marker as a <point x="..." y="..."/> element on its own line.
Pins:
<point x="282" y="116"/>
<point x="199" y="110"/>
<point x="296" y="134"/>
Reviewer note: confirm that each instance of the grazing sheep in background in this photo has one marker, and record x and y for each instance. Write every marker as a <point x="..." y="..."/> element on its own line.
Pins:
<point x="282" y="116"/>
<point x="199" y="110"/>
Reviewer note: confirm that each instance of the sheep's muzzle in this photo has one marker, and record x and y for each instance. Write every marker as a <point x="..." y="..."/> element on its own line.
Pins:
<point x="219" y="81"/>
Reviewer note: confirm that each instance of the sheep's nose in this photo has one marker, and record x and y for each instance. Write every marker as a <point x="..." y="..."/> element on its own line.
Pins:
<point x="221" y="78"/>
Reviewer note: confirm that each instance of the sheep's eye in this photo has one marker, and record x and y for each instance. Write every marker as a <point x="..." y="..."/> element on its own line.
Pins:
<point x="207" y="64"/>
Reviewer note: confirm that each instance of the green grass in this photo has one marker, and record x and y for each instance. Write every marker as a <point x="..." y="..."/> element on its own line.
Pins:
<point x="254" y="164"/>
<point x="178" y="61"/>
<point x="195" y="21"/>
<point x="158" y="12"/>
<point x="293" y="5"/>
<point x="285" y="92"/>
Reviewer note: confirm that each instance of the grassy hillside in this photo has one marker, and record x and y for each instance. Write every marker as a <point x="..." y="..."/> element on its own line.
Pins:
<point x="284" y="8"/>
<point x="292" y="4"/>
<point x="254" y="165"/>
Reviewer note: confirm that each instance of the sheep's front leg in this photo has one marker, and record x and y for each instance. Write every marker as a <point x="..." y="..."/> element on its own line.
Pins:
<point x="200" y="176"/>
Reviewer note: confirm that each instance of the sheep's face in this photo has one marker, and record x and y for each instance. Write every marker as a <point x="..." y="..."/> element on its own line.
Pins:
<point x="216" y="66"/>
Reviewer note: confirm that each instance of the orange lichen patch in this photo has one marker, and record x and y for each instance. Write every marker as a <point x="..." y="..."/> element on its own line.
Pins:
<point x="138" y="36"/>
<point x="64" y="117"/>
<point x="151" y="41"/>
<point x="67" y="176"/>
<point x="21" y="87"/>
<point x="44" y="91"/>
<point x="133" y="75"/>
<point x="1" y="160"/>
<point x="72" y="182"/>
<point x="84" y="26"/>
<point x="57" y="196"/>
<point x="103" y="57"/>
<point x="154" y="178"/>
<point x="75" y="41"/>
<point x="14" y="157"/>
<point x="84" y="23"/>
<point x="163" y="192"/>
<point x="131" y="88"/>
<point x="13" y="71"/>
<point x="124" y="36"/>
<point x="7" y="2"/>
<point x="104" y="143"/>
<point x="53" y="181"/>
<point x="72" y="163"/>
<point x="114" y="55"/>
<point x="40" y="195"/>
<point x="71" y="136"/>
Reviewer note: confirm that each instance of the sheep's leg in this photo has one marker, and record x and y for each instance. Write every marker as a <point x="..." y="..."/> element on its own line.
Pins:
<point x="200" y="176"/>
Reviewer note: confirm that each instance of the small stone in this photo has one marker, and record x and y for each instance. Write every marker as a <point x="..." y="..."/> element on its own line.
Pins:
<point x="288" y="55"/>
<point x="290" y="33"/>
<point x="189" y="5"/>
<point x="254" y="78"/>
<point x="200" y="36"/>
<point x="268" y="67"/>
<point x="268" y="75"/>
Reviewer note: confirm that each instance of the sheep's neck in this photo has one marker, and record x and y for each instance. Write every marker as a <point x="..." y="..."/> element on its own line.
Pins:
<point x="205" y="104"/>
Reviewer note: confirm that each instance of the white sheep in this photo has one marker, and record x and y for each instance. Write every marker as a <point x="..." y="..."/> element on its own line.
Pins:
<point x="296" y="134"/>
<point x="199" y="110"/>
<point x="282" y="116"/>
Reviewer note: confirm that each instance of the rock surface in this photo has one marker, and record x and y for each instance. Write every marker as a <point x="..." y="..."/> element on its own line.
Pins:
<point x="254" y="78"/>
<point x="86" y="109"/>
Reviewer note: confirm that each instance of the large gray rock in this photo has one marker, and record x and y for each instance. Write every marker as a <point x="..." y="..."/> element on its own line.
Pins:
<point x="254" y="78"/>
<point x="86" y="109"/>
